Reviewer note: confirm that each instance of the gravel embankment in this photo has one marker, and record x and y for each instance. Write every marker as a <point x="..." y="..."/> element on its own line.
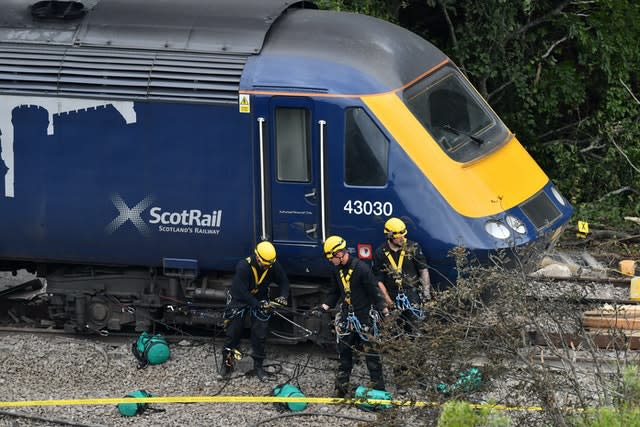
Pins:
<point x="43" y="368"/>
<point x="36" y="367"/>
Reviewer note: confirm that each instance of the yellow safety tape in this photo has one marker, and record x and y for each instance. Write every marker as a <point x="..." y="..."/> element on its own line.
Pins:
<point x="507" y="408"/>
<point x="247" y="399"/>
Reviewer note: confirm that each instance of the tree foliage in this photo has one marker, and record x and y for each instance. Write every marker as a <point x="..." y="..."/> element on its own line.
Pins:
<point x="562" y="74"/>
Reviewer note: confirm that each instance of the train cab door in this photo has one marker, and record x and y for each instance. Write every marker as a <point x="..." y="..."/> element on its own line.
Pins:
<point x="291" y="135"/>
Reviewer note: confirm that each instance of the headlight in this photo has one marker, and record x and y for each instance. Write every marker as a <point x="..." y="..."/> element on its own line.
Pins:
<point x="516" y="224"/>
<point x="497" y="230"/>
<point x="558" y="196"/>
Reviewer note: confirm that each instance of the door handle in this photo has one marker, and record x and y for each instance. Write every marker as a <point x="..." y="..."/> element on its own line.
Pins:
<point x="311" y="195"/>
<point x="311" y="231"/>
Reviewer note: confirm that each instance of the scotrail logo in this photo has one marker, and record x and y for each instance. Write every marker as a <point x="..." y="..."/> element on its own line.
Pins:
<point x="192" y="221"/>
<point x="130" y="214"/>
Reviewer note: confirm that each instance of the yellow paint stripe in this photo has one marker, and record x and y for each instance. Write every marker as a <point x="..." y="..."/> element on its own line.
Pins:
<point x="247" y="399"/>
<point x="487" y="186"/>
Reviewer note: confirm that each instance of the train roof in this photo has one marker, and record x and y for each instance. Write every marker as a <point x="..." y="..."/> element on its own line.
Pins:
<point x="343" y="53"/>
<point x="200" y="50"/>
<point x="213" y="26"/>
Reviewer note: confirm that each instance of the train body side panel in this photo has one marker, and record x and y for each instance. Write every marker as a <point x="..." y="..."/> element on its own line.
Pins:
<point x="125" y="182"/>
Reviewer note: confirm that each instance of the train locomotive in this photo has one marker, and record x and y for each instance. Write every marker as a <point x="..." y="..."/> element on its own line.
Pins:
<point x="146" y="148"/>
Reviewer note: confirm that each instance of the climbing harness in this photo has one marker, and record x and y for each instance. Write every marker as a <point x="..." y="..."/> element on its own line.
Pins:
<point x="403" y="304"/>
<point x="351" y="323"/>
<point x="231" y="313"/>
<point x="402" y="301"/>
<point x="257" y="312"/>
<point x="260" y="313"/>
<point x="396" y="267"/>
<point x="340" y="327"/>
<point x="346" y="283"/>
<point x="257" y="280"/>
<point x="375" y="321"/>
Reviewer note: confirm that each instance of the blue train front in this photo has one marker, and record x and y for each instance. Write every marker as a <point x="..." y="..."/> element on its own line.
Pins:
<point x="397" y="131"/>
<point x="146" y="153"/>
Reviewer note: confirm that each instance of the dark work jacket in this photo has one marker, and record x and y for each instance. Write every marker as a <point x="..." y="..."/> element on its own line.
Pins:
<point x="244" y="288"/>
<point x="364" y="289"/>
<point x="414" y="261"/>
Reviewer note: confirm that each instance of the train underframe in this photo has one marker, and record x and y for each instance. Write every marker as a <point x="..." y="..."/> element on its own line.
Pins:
<point x="105" y="299"/>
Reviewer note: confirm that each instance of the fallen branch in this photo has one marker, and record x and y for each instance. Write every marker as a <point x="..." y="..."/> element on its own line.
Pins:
<point x="632" y="219"/>
<point x="616" y="192"/>
<point x="624" y="154"/>
<point x="630" y="92"/>
<point x="608" y="234"/>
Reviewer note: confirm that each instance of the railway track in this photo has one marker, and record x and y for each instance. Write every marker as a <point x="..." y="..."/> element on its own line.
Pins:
<point x="23" y="304"/>
<point x="596" y="290"/>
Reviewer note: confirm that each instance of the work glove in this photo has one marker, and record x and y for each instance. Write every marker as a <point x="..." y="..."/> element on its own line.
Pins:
<point x="281" y="301"/>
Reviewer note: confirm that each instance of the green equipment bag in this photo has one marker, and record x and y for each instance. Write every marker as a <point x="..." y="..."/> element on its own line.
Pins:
<point x="468" y="381"/>
<point x="131" y="409"/>
<point x="150" y="350"/>
<point x="288" y="390"/>
<point x="363" y="392"/>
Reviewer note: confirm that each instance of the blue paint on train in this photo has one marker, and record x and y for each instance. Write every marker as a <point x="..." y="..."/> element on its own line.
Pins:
<point x="101" y="190"/>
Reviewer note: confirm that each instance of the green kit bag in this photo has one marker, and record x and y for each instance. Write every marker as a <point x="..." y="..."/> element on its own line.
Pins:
<point x="131" y="409"/>
<point x="363" y="392"/>
<point x="150" y="350"/>
<point x="288" y="390"/>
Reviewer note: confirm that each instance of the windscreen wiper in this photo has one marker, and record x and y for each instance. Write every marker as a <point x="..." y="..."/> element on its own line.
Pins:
<point x="475" y="139"/>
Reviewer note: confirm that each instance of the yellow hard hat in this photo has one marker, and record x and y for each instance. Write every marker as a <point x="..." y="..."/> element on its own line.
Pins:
<point x="394" y="228"/>
<point x="266" y="253"/>
<point x="332" y="245"/>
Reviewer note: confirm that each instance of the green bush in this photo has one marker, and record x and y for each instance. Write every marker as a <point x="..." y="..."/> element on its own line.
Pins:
<point x="626" y="412"/>
<point x="455" y="414"/>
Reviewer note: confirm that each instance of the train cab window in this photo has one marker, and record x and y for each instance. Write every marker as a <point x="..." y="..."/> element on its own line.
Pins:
<point x="293" y="144"/>
<point x="459" y="120"/>
<point x="366" y="150"/>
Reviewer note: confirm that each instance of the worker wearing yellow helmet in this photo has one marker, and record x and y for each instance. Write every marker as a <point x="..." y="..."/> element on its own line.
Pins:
<point x="249" y="297"/>
<point x="354" y="286"/>
<point x="403" y="278"/>
<point x="402" y="270"/>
